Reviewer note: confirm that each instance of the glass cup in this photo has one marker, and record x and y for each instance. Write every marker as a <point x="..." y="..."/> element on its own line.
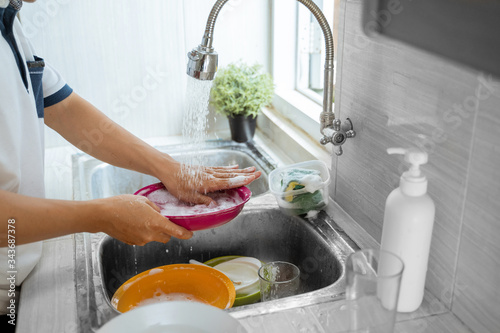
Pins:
<point x="373" y="281"/>
<point x="278" y="279"/>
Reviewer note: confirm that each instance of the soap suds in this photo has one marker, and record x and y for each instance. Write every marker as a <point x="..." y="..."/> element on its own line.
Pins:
<point x="171" y="206"/>
<point x="160" y="296"/>
<point x="312" y="214"/>
<point x="312" y="183"/>
<point x="238" y="180"/>
<point x="310" y="179"/>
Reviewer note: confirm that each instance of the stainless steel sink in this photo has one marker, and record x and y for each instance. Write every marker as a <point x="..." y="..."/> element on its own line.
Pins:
<point x="318" y="247"/>
<point x="93" y="179"/>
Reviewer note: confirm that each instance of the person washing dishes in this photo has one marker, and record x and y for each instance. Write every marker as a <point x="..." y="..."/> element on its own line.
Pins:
<point x="32" y="94"/>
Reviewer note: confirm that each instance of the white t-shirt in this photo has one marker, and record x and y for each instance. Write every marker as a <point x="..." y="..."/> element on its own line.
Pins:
<point x="21" y="136"/>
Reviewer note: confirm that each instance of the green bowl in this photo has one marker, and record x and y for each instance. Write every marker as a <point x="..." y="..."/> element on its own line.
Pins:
<point x="240" y="299"/>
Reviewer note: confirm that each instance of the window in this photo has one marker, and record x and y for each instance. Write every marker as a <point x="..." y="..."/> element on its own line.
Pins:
<point x="298" y="62"/>
<point x="311" y="50"/>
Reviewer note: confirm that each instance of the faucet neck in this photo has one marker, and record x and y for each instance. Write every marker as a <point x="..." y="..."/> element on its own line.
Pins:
<point x="209" y="30"/>
<point x="313" y="8"/>
<point x="326" y="119"/>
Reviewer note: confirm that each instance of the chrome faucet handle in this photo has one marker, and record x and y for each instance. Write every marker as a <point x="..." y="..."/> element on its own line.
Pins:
<point x="337" y="134"/>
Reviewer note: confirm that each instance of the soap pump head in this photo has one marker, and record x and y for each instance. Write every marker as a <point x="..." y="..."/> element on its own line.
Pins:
<point x="413" y="182"/>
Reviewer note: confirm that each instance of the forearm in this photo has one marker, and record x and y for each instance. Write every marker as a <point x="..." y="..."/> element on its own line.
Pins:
<point x="129" y="218"/>
<point x="37" y="219"/>
<point x="90" y="130"/>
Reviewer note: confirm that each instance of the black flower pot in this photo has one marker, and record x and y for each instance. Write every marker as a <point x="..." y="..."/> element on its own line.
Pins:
<point x="242" y="127"/>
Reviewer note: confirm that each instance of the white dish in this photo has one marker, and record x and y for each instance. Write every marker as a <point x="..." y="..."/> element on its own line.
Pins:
<point x="243" y="272"/>
<point x="174" y="317"/>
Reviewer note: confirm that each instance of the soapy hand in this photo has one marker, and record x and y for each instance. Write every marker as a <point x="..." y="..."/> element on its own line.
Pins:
<point x="191" y="183"/>
<point x="136" y="221"/>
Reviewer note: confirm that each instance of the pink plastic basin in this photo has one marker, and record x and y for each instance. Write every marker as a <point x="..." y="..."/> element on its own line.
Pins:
<point x="206" y="220"/>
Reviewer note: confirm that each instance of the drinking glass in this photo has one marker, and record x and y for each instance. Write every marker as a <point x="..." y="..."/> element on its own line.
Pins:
<point x="373" y="281"/>
<point x="278" y="279"/>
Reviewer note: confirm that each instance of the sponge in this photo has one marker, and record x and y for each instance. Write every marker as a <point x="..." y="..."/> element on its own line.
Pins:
<point x="310" y="182"/>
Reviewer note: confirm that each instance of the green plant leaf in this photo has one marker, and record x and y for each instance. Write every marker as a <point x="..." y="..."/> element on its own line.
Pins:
<point x="240" y="89"/>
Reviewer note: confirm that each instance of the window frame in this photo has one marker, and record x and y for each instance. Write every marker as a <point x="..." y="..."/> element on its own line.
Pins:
<point x="292" y="103"/>
<point x="310" y="36"/>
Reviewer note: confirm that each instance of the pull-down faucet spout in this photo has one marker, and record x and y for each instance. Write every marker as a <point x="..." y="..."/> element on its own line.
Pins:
<point x="202" y="65"/>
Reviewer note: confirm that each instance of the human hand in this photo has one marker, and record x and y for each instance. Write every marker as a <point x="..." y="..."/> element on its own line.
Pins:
<point x="135" y="220"/>
<point x="191" y="183"/>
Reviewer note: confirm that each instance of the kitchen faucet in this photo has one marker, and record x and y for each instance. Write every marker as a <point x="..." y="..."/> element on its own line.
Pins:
<point x="202" y="65"/>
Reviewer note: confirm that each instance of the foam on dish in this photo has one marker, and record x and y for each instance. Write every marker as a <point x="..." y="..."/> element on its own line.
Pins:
<point x="155" y="271"/>
<point x="171" y="206"/>
<point x="161" y="296"/>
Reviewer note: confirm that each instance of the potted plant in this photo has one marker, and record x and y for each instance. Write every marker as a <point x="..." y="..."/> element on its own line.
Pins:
<point x="239" y="91"/>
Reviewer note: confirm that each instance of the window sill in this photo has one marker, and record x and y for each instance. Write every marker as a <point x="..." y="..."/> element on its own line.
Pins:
<point x="299" y="109"/>
<point x="279" y="125"/>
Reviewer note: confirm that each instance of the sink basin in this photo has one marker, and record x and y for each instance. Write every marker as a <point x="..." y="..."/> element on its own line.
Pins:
<point x="93" y="179"/>
<point x="318" y="247"/>
<point x="265" y="234"/>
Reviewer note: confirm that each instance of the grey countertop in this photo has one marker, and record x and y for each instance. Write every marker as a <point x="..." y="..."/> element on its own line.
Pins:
<point x="48" y="295"/>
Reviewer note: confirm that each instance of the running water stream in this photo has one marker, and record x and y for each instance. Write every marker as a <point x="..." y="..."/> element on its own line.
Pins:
<point x="194" y="130"/>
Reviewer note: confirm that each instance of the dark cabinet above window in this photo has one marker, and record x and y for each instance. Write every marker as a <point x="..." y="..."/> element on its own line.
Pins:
<point x="467" y="31"/>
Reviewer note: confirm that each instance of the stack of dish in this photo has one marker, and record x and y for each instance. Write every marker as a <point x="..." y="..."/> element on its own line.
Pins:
<point x="243" y="271"/>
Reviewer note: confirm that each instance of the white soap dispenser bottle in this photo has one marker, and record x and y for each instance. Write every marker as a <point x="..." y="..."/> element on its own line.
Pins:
<point x="407" y="230"/>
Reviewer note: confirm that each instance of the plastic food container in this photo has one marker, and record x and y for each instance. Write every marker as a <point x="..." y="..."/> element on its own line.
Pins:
<point x="301" y="188"/>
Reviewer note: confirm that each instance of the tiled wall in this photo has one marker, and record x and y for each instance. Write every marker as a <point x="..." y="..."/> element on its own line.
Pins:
<point x="400" y="96"/>
<point x="477" y="295"/>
